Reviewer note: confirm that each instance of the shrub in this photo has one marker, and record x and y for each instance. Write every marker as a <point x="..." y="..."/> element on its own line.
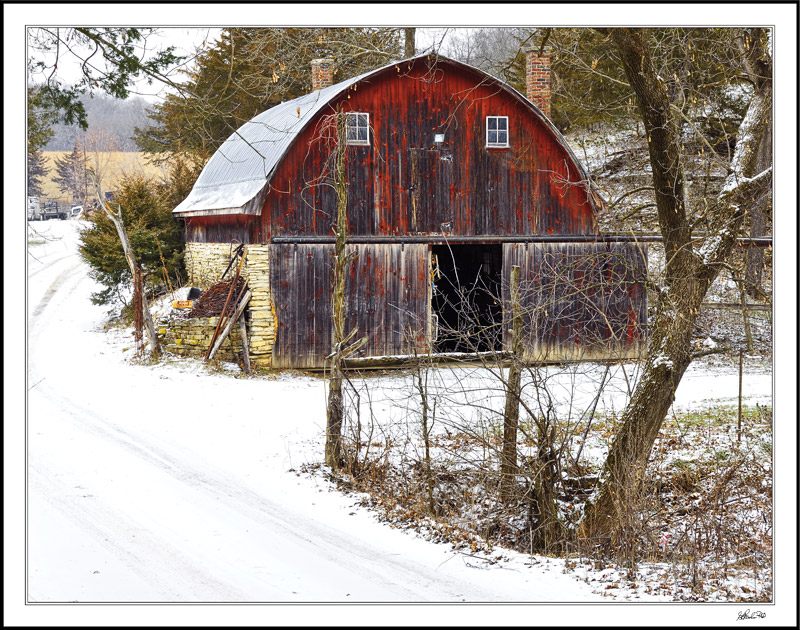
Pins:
<point x="155" y="235"/>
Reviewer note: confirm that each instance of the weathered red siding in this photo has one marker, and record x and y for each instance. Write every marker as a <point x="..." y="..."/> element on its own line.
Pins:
<point x="223" y="229"/>
<point x="387" y="289"/>
<point x="579" y="300"/>
<point x="405" y="183"/>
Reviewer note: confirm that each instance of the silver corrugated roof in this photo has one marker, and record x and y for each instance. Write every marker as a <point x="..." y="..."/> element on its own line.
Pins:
<point x="242" y="166"/>
<point x="235" y="179"/>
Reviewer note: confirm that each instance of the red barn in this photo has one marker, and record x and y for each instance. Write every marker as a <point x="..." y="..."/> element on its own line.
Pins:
<point x="453" y="177"/>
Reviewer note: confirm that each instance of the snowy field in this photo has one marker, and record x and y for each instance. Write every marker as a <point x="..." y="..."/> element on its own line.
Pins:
<point x="174" y="483"/>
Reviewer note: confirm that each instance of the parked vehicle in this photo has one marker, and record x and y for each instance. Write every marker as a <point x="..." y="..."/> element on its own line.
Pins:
<point x="52" y="210"/>
<point x="34" y="209"/>
<point x="76" y="211"/>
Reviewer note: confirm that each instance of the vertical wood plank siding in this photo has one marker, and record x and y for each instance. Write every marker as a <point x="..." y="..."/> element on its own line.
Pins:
<point x="405" y="183"/>
<point x="388" y="301"/>
<point x="579" y="300"/>
<point x="224" y="229"/>
<point x="582" y="300"/>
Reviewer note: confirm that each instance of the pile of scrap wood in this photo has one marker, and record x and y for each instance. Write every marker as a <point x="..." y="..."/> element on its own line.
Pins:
<point x="212" y="301"/>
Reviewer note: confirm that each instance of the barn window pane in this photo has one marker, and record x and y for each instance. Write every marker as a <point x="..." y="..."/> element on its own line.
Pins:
<point x="497" y="131"/>
<point x="358" y="128"/>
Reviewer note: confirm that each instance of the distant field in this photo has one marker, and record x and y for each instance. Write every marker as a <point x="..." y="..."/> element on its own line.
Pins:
<point x="111" y="164"/>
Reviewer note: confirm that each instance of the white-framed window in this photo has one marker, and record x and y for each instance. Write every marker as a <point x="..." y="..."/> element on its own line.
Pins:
<point x="497" y="131"/>
<point x="358" y="128"/>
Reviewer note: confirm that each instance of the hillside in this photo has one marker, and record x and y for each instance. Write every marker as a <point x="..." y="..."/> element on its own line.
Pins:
<point x="110" y="116"/>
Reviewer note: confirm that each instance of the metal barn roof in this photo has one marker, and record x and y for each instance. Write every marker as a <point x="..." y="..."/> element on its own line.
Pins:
<point x="235" y="180"/>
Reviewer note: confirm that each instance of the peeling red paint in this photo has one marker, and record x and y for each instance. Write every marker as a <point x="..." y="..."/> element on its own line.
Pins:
<point x="406" y="183"/>
<point x="480" y="190"/>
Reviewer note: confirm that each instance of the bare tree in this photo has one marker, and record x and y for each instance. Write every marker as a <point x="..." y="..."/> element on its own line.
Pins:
<point x="336" y="124"/>
<point x="690" y="267"/>
<point x="759" y="213"/>
<point x="508" y="467"/>
<point x="335" y="412"/>
<point x="98" y="147"/>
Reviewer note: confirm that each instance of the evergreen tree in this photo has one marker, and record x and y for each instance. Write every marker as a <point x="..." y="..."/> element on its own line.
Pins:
<point x="250" y="70"/>
<point x="155" y="236"/>
<point x="111" y="60"/>
<point x="72" y="174"/>
<point x="37" y="170"/>
<point x="39" y="133"/>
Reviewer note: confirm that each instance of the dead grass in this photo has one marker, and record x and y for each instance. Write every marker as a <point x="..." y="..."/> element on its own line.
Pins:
<point x="700" y="529"/>
<point x="116" y="163"/>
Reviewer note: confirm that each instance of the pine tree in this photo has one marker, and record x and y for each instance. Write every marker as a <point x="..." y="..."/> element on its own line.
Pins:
<point x="37" y="170"/>
<point x="155" y="237"/>
<point x="39" y="134"/>
<point x="72" y="175"/>
<point x="250" y="70"/>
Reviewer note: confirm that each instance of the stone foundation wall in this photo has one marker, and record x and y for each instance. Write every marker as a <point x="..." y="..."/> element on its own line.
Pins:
<point x="206" y="263"/>
<point x="192" y="337"/>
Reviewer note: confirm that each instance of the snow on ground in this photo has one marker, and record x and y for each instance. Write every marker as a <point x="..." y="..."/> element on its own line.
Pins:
<point x="176" y="483"/>
<point x="169" y="483"/>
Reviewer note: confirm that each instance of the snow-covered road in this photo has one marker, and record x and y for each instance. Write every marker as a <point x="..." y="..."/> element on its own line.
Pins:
<point x="170" y="484"/>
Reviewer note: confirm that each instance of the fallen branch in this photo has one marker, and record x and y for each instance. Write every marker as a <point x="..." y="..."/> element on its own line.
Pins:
<point x="705" y="353"/>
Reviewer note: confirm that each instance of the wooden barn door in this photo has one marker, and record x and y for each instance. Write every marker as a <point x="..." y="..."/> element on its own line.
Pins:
<point x="579" y="300"/>
<point x="388" y="300"/>
<point x="430" y="174"/>
<point x="301" y="290"/>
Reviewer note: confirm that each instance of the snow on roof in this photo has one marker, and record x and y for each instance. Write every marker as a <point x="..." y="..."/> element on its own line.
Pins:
<point x="235" y="179"/>
<point x="236" y="174"/>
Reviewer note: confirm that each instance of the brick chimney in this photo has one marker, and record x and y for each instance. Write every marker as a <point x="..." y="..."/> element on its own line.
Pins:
<point x="537" y="79"/>
<point x="321" y="73"/>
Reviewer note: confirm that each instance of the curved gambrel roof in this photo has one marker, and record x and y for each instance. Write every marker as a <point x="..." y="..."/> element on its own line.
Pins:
<point x="236" y="178"/>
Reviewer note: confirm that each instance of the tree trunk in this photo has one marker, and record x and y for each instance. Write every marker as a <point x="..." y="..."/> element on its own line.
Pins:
<point x="689" y="273"/>
<point x="668" y="358"/>
<point x="410" y="42"/>
<point x="421" y="382"/>
<point x="333" y="438"/>
<point x="758" y="223"/>
<point x="508" y="465"/>
<point x="549" y="534"/>
<point x="133" y="264"/>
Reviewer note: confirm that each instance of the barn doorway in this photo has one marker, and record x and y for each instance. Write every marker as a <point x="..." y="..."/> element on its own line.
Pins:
<point x="466" y="299"/>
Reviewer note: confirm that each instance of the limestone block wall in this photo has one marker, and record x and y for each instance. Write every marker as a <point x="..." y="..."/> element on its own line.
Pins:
<point x="192" y="337"/>
<point x="206" y="262"/>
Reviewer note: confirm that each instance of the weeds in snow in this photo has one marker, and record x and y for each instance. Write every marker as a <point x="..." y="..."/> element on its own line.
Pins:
<point x="699" y="528"/>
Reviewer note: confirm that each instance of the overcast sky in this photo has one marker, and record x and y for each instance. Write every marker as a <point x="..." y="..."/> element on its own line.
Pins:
<point x="186" y="41"/>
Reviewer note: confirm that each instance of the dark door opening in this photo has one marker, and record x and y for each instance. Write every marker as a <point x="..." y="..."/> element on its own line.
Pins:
<point x="466" y="299"/>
